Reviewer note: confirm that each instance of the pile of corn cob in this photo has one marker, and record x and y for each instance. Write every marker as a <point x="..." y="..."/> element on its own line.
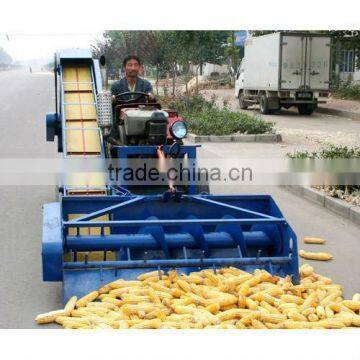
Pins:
<point x="226" y="299"/>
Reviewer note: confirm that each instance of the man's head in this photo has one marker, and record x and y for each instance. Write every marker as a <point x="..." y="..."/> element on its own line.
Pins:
<point x="132" y="65"/>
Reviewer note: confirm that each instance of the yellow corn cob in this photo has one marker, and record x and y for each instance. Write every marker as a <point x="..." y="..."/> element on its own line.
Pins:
<point x="102" y="296"/>
<point x="196" y="279"/>
<point x="103" y="326"/>
<point x="97" y="310"/>
<point x="336" y="307"/>
<point x="209" y="274"/>
<point x="355" y="320"/>
<point x="102" y="305"/>
<point x="70" y="305"/>
<point x="313" y="317"/>
<point x="345" y="318"/>
<point x="87" y="298"/>
<point x="181" y="309"/>
<point x="322" y="256"/>
<point x="332" y="324"/>
<point x="122" y="324"/>
<point x="155" y="273"/>
<point x="314" y="240"/>
<point x="184" y="285"/>
<point x="274" y="326"/>
<point x="356" y="297"/>
<point x="230" y="314"/>
<point x="246" y="319"/>
<point x="79" y="312"/>
<point x="244" y="289"/>
<point x="256" y="324"/>
<point x="147" y="324"/>
<point x="290" y="324"/>
<point x="325" y="280"/>
<point x="352" y="305"/>
<point x="251" y="304"/>
<point x="287" y="305"/>
<point x="63" y="319"/>
<point x="292" y="299"/>
<point x="240" y="325"/>
<point x="50" y="316"/>
<point x="296" y="316"/>
<point x="171" y="325"/>
<point x="329" y="313"/>
<point x="226" y="300"/>
<point x="306" y="270"/>
<point x="320" y="312"/>
<point x="263" y="310"/>
<point x="273" y="318"/>
<point x="176" y="293"/>
<point x="310" y="301"/>
<point x="105" y="289"/>
<point x="270" y="308"/>
<point x="213" y="308"/>
<point x="330" y="298"/>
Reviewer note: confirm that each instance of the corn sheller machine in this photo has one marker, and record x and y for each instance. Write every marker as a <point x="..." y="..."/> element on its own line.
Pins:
<point x="96" y="233"/>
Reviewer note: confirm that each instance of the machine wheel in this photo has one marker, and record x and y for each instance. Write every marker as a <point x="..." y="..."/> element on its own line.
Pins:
<point x="264" y="105"/>
<point x="306" y="109"/>
<point x="242" y="103"/>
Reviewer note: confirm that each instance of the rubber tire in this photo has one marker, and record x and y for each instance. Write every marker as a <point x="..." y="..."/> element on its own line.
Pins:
<point x="264" y="105"/>
<point x="242" y="102"/>
<point x="306" y="109"/>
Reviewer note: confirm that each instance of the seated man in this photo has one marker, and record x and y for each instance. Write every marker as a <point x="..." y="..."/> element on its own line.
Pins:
<point x="131" y="82"/>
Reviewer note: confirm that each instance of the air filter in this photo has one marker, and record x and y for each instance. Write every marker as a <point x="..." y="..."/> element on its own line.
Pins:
<point x="104" y="104"/>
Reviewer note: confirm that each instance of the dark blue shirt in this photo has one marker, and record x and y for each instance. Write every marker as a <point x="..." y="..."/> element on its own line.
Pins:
<point x="121" y="86"/>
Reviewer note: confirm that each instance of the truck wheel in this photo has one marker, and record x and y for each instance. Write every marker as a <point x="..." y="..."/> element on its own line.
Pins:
<point x="264" y="105"/>
<point x="306" y="109"/>
<point x="243" y="105"/>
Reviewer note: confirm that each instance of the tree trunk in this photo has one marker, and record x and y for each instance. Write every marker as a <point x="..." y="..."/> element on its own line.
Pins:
<point x="157" y="80"/>
<point x="174" y="79"/>
<point x="197" y="80"/>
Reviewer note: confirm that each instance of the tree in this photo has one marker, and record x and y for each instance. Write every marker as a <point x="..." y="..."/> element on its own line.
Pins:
<point x="163" y="50"/>
<point x="5" y="58"/>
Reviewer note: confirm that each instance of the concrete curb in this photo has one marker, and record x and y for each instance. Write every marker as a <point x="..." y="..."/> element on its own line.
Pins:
<point x="343" y="113"/>
<point x="268" y="138"/>
<point x="337" y="206"/>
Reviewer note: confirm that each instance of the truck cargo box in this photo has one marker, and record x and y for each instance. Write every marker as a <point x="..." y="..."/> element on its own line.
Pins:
<point x="287" y="61"/>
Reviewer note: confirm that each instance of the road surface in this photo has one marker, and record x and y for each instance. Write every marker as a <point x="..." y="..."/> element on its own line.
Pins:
<point x="24" y="100"/>
<point x="300" y="131"/>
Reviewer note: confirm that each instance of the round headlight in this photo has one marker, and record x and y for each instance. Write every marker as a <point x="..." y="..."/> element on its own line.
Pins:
<point x="178" y="129"/>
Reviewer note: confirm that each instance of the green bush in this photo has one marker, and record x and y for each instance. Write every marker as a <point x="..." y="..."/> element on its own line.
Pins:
<point x="205" y="118"/>
<point x="216" y="121"/>
<point x="347" y="91"/>
<point x="329" y="152"/>
<point x="332" y="152"/>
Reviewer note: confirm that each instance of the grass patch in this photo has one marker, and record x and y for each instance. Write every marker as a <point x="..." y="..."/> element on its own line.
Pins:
<point x="205" y="118"/>
<point x="349" y="92"/>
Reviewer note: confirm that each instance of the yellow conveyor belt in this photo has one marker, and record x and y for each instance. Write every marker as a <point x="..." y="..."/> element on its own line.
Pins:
<point x="82" y="133"/>
<point x="83" y="138"/>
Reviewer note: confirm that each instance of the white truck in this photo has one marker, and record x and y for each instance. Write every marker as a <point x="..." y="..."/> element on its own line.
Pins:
<point x="284" y="69"/>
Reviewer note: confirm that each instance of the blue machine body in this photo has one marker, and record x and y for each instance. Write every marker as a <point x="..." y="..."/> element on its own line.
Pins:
<point x="162" y="231"/>
<point x="150" y="232"/>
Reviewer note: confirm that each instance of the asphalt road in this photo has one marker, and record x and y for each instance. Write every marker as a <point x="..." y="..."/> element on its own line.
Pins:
<point x="24" y="100"/>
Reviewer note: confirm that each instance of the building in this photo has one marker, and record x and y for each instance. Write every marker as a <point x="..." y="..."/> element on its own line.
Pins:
<point x="347" y="69"/>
